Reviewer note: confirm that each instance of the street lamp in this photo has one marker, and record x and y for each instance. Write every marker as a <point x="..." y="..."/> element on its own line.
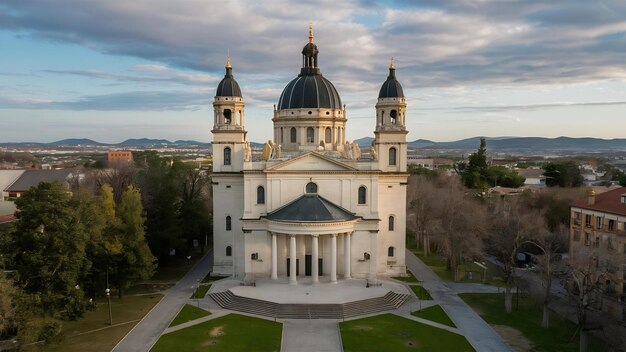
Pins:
<point x="108" y="294"/>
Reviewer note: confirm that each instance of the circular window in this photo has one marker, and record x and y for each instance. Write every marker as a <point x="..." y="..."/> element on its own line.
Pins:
<point x="327" y="113"/>
<point x="310" y="112"/>
<point x="311" y="187"/>
<point x="292" y="112"/>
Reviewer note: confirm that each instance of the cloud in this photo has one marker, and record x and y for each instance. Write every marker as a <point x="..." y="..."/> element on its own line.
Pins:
<point x="530" y="107"/>
<point x="437" y="43"/>
<point x="128" y="101"/>
<point x="156" y="74"/>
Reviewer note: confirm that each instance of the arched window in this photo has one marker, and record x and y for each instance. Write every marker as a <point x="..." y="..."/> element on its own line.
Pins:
<point x="328" y="138"/>
<point x="392" y="225"/>
<point x="229" y="251"/>
<point x="392" y="156"/>
<point x="229" y="223"/>
<point x="260" y="195"/>
<point x="390" y="251"/>
<point x="227" y="156"/>
<point x="310" y="136"/>
<point x="293" y="135"/>
<point x="227" y="116"/>
<point x="311" y="187"/>
<point x="362" y="195"/>
<point x="393" y="116"/>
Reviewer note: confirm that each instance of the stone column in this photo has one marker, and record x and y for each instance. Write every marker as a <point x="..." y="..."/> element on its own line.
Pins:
<point x="314" y="259"/>
<point x="292" y="260"/>
<point x="274" y="258"/>
<point x="347" y="256"/>
<point x="333" y="258"/>
<point x="373" y="262"/>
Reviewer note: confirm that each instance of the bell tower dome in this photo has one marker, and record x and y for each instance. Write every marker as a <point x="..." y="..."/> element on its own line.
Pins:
<point x="229" y="135"/>
<point x="390" y="133"/>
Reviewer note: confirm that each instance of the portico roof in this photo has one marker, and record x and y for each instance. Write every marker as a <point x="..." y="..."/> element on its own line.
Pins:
<point x="311" y="208"/>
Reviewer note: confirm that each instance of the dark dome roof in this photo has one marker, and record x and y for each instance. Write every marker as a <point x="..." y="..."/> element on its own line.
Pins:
<point x="391" y="88"/>
<point x="228" y="87"/>
<point x="309" y="91"/>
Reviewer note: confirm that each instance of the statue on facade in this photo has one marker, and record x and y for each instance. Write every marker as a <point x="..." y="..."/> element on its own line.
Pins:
<point x="356" y="151"/>
<point x="267" y="151"/>
<point x="247" y="152"/>
<point x="373" y="153"/>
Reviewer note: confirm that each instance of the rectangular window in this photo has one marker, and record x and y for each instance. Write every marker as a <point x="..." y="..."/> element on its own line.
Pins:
<point x="587" y="239"/>
<point x="576" y="235"/>
<point x="587" y="220"/>
<point x="597" y="242"/>
<point x="598" y="222"/>
<point x="611" y="225"/>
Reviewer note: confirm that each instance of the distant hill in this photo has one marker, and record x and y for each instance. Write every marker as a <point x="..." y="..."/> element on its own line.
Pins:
<point x="143" y="142"/>
<point x="76" y="141"/>
<point x="532" y="144"/>
<point x="364" y="142"/>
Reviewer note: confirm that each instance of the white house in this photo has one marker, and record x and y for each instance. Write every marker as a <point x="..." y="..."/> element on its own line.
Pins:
<point x="314" y="198"/>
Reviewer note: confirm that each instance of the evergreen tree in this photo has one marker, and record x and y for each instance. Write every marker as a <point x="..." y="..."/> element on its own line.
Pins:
<point x="563" y="174"/>
<point x="49" y="249"/>
<point x="135" y="262"/>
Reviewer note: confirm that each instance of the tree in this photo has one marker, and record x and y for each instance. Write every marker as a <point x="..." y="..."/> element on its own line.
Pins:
<point x="563" y="174"/>
<point x="135" y="261"/>
<point x="193" y="212"/>
<point x="422" y="197"/>
<point x="49" y="249"/>
<point x="477" y="173"/>
<point x="510" y="227"/>
<point x="459" y="224"/>
<point x="589" y="269"/>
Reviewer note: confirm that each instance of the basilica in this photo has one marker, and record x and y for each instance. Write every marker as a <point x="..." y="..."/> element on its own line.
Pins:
<point x="313" y="208"/>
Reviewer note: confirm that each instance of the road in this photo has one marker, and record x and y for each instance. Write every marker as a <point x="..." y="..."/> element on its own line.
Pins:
<point x="145" y="334"/>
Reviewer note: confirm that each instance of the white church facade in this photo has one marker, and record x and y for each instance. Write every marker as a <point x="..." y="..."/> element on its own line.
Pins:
<point x="314" y="208"/>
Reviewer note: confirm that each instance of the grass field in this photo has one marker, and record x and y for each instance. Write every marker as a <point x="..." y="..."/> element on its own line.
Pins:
<point x="389" y="332"/>
<point x="421" y="292"/>
<point x="436" y="314"/>
<point x="526" y="320"/>
<point x="200" y="291"/>
<point x="468" y="272"/>
<point x="411" y="278"/>
<point x="189" y="313"/>
<point x="232" y="332"/>
<point x="76" y="335"/>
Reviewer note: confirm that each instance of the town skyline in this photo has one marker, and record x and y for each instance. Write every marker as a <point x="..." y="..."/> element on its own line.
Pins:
<point x="468" y="69"/>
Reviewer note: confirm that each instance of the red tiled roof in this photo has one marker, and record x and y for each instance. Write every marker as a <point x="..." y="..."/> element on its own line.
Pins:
<point x="7" y="218"/>
<point x="608" y="202"/>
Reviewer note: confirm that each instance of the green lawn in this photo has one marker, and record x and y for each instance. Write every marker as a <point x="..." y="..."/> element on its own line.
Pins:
<point x="176" y="268"/>
<point x="527" y="320"/>
<point x="189" y="313"/>
<point x="410" y="278"/>
<point x="467" y="272"/>
<point x="232" y="332"/>
<point x="389" y="332"/>
<point x="436" y="314"/>
<point x="201" y="291"/>
<point x="128" y="309"/>
<point x="421" y="292"/>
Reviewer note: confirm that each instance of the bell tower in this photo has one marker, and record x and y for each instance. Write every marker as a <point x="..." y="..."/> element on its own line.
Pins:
<point x="390" y="134"/>
<point x="229" y="135"/>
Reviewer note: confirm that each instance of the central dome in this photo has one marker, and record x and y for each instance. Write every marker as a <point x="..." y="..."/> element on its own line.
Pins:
<point x="309" y="91"/>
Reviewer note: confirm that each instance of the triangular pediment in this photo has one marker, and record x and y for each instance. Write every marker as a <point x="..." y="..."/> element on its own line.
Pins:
<point x="311" y="161"/>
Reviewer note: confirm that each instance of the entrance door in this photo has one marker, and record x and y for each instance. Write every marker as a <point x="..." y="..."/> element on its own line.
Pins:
<point x="307" y="265"/>
<point x="289" y="267"/>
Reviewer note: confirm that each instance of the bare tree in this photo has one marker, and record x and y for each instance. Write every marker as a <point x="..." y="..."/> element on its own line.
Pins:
<point x="459" y="224"/>
<point x="422" y="196"/>
<point x="511" y="226"/>
<point x="589" y="270"/>
<point x="119" y="175"/>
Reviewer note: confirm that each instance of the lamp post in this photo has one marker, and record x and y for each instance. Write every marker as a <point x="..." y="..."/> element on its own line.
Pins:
<point x="108" y="294"/>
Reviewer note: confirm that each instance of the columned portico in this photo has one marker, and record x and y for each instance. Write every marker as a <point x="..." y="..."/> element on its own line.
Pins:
<point x="347" y="255"/>
<point x="333" y="258"/>
<point x="274" y="257"/>
<point x="314" y="259"/>
<point x="292" y="260"/>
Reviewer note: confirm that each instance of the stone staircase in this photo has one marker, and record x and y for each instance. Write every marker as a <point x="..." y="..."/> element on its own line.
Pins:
<point x="229" y="300"/>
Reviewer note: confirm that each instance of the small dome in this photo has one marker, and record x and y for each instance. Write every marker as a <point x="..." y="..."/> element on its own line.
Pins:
<point x="309" y="91"/>
<point x="228" y="87"/>
<point x="391" y="88"/>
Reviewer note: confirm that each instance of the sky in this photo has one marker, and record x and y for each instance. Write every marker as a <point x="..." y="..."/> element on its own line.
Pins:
<point x="112" y="70"/>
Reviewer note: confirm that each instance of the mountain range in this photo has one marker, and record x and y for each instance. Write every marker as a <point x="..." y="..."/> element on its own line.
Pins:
<point x="520" y="144"/>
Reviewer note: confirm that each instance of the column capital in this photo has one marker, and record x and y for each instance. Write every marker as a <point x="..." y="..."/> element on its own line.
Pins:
<point x="334" y="235"/>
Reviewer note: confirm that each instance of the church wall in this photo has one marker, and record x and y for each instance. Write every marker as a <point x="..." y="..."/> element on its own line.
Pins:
<point x="392" y="202"/>
<point x="258" y="242"/>
<point x="227" y="201"/>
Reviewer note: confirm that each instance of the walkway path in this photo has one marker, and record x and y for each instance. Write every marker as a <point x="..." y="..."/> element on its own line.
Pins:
<point x="479" y="334"/>
<point x="145" y="334"/>
<point x="303" y="335"/>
